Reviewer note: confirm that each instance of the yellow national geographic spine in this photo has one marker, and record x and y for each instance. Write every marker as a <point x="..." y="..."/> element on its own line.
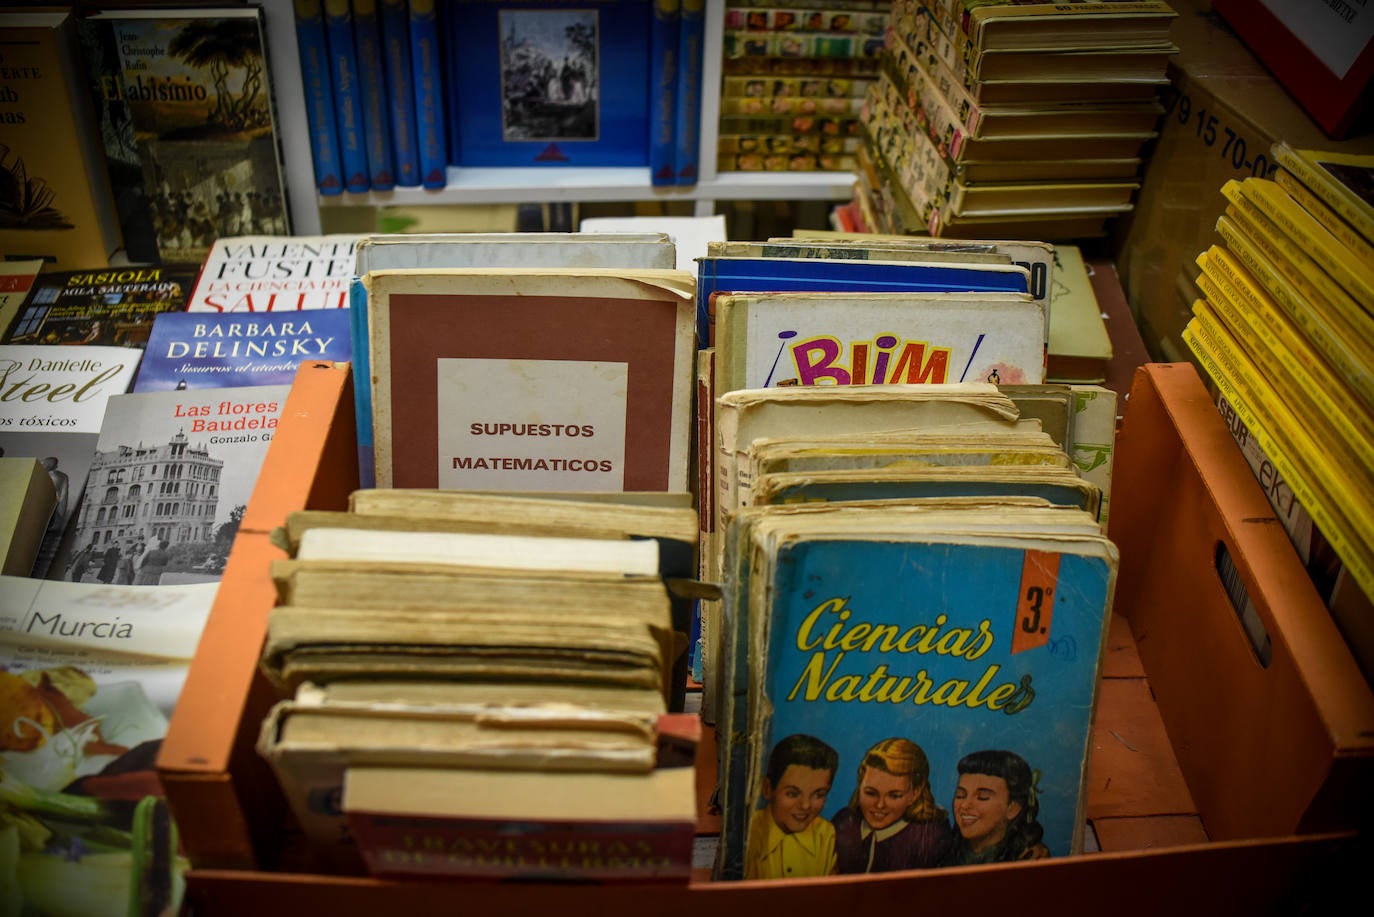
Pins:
<point x="1324" y="214"/>
<point x="1323" y="172"/>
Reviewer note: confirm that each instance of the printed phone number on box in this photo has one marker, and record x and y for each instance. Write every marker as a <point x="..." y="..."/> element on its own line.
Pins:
<point x="1231" y="145"/>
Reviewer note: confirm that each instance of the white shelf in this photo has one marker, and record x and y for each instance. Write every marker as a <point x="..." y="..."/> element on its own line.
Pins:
<point x="527" y="185"/>
<point x="513" y="186"/>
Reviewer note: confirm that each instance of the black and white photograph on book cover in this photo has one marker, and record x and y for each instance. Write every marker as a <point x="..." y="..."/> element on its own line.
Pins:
<point x="549" y="74"/>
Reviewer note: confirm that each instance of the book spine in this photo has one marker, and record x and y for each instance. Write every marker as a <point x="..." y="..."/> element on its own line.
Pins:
<point x="319" y="97"/>
<point x="1323" y="214"/>
<point x="1324" y="186"/>
<point x="1325" y="249"/>
<point x="359" y="342"/>
<point x="367" y="39"/>
<point x="348" y="103"/>
<point x="663" y="65"/>
<point x="427" y="76"/>
<point x="692" y="33"/>
<point x="400" y="90"/>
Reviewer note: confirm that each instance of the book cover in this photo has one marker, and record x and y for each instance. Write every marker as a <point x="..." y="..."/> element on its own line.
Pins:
<point x="201" y="120"/>
<point x="58" y="205"/>
<point x="663" y="61"/>
<point x="192" y="350"/>
<point x="560" y="83"/>
<point x="777" y="339"/>
<point x="348" y="95"/>
<point x="427" y="77"/>
<point x="525" y="249"/>
<point x="971" y="659"/>
<point x="400" y="90"/>
<point x="575" y="379"/>
<point x="168" y="483"/>
<point x="276" y="274"/>
<point x="687" y="100"/>
<point x="109" y="306"/>
<point x="91" y="673"/>
<point x="745" y="275"/>
<point x="581" y="826"/>
<point x="319" y="96"/>
<point x="52" y="401"/>
<point x="367" y="41"/>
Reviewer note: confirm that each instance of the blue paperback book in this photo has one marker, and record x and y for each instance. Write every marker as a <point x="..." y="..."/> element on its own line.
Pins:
<point x="348" y="100"/>
<point x="427" y="80"/>
<point x="663" y="57"/>
<point x="687" y="114"/>
<point x="756" y="275"/>
<point x="927" y="687"/>
<point x="319" y="97"/>
<point x="189" y="350"/>
<point x="367" y="40"/>
<point x="552" y="82"/>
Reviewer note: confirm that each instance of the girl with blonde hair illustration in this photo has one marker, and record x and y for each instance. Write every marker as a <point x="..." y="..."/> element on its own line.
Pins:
<point x="892" y="821"/>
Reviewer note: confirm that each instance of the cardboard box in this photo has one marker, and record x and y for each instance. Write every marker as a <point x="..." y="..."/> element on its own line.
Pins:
<point x="1274" y="741"/>
<point x="237" y="830"/>
<point x="1224" y="112"/>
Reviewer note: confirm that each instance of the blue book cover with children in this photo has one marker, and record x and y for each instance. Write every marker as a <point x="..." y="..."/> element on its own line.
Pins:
<point x="924" y="699"/>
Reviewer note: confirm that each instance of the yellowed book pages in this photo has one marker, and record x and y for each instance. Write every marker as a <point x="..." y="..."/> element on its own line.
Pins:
<point x="27" y="499"/>
<point x="1080" y="348"/>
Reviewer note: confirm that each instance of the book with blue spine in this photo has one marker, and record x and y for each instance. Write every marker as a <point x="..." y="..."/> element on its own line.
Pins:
<point x="367" y="41"/>
<point x="188" y="350"/>
<point x="427" y="76"/>
<point x="319" y="97"/>
<point x="973" y="633"/>
<point x="663" y="59"/>
<point x="552" y="83"/>
<point x="348" y="101"/>
<point x="687" y="121"/>
<point x="757" y="275"/>
<point x="400" y="90"/>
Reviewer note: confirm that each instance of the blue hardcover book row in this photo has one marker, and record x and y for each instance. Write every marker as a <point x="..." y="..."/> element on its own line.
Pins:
<point x="398" y="91"/>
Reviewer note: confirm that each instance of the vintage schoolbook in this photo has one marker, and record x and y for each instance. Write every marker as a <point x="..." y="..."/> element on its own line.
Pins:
<point x="575" y="379"/>
<point x="265" y="273"/>
<point x="312" y="738"/>
<point x="457" y="249"/>
<point x="58" y="204"/>
<point x="964" y="642"/>
<point x="53" y="404"/>
<point x="549" y="84"/>
<point x="169" y="479"/>
<point x="191" y="135"/>
<point x="809" y="339"/>
<point x="114" y="305"/>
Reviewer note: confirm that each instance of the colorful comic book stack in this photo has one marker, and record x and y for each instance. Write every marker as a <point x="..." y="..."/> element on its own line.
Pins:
<point x="1283" y="328"/>
<point x="999" y="119"/>
<point x="795" y="74"/>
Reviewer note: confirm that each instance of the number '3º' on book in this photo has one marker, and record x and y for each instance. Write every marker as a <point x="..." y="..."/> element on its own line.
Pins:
<point x="951" y="653"/>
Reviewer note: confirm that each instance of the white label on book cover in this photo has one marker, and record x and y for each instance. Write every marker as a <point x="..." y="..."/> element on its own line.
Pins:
<point x="532" y="424"/>
<point x="1336" y="32"/>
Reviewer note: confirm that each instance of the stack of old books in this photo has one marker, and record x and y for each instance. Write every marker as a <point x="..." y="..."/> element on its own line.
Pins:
<point x="1283" y="328"/>
<point x="456" y="664"/>
<point x="992" y="118"/>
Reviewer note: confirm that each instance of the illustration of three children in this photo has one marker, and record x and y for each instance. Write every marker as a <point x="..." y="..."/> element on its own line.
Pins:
<point x="891" y="821"/>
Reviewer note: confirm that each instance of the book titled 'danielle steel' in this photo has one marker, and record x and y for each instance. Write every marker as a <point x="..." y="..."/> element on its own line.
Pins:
<point x="187" y="113"/>
<point x="230" y="349"/>
<point x="555" y="83"/>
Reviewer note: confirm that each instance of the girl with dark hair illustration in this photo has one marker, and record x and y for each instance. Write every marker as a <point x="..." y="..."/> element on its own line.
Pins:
<point x="996" y="810"/>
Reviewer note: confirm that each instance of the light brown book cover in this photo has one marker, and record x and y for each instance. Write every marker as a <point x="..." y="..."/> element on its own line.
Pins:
<point x="510" y="379"/>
